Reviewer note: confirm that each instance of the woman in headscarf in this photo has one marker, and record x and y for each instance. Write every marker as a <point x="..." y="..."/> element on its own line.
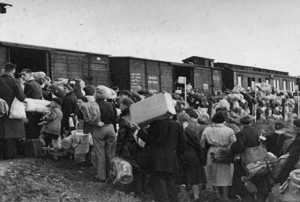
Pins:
<point x="218" y="136"/>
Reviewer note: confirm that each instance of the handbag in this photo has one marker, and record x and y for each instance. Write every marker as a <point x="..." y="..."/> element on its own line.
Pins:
<point x="222" y="155"/>
<point x="17" y="110"/>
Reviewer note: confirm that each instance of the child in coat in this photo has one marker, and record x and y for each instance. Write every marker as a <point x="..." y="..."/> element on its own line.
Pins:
<point x="51" y="124"/>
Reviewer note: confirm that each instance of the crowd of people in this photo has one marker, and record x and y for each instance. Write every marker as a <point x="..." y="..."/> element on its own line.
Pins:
<point x="180" y="152"/>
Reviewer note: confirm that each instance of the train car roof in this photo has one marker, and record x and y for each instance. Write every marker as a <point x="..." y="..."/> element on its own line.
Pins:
<point x="18" y="45"/>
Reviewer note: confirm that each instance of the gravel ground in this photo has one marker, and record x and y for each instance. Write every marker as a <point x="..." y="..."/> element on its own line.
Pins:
<point x="38" y="180"/>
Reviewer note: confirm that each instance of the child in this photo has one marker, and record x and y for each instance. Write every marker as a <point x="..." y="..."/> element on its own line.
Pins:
<point x="51" y="124"/>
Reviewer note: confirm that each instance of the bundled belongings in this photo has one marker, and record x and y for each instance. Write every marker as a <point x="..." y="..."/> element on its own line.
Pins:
<point x="291" y="188"/>
<point x="257" y="161"/>
<point x="80" y="142"/>
<point x="153" y="108"/>
<point x="35" y="105"/>
<point x="91" y="113"/>
<point x="17" y="110"/>
<point x="121" y="171"/>
<point x="4" y="108"/>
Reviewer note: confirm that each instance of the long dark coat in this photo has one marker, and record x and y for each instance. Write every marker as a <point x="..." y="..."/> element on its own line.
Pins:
<point x="127" y="147"/>
<point x="164" y="141"/>
<point x="247" y="137"/>
<point x="192" y="160"/>
<point x="68" y="107"/>
<point x="11" y="128"/>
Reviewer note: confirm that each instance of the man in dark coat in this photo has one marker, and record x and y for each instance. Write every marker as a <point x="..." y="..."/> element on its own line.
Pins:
<point x="69" y="108"/>
<point x="164" y="141"/>
<point x="246" y="138"/>
<point x="32" y="89"/>
<point x="10" y="129"/>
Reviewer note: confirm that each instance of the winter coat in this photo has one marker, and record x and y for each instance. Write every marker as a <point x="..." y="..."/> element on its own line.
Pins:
<point x="68" y="107"/>
<point x="33" y="90"/>
<point x="291" y="160"/>
<point x="53" y="125"/>
<point x="164" y="141"/>
<point x="11" y="128"/>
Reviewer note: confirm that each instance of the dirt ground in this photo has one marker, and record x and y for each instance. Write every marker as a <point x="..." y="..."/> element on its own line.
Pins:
<point x="37" y="180"/>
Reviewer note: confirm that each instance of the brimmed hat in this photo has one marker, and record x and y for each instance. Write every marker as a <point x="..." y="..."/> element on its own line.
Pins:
<point x="246" y="119"/>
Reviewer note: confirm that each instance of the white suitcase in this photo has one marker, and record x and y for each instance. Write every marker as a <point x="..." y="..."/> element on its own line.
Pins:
<point x="156" y="107"/>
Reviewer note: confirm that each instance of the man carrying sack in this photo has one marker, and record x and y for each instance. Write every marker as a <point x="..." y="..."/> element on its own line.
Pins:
<point x="10" y="129"/>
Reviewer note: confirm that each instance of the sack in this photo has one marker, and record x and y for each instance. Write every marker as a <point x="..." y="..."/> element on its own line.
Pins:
<point x="92" y="113"/>
<point x="222" y="155"/>
<point x="291" y="188"/>
<point x="4" y="108"/>
<point x="36" y="105"/>
<point x="255" y="161"/>
<point x="121" y="170"/>
<point x="17" y="110"/>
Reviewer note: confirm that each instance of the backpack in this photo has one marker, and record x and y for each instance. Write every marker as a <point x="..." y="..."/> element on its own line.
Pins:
<point x="91" y="113"/>
<point x="4" y="109"/>
<point x="256" y="161"/>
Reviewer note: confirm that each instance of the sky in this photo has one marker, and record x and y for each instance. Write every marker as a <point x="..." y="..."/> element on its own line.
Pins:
<point x="257" y="33"/>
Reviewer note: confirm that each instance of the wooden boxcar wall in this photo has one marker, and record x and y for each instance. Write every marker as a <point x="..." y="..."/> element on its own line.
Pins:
<point x="202" y="80"/>
<point x="81" y="66"/>
<point x="155" y="76"/>
<point x="135" y="73"/>
<point x="3" y="58"/>
<point x="217" y="80"/>
<point x="166" y="77"/>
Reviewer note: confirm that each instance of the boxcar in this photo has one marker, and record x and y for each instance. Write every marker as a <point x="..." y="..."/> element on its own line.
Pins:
<point x="93" y="68"/>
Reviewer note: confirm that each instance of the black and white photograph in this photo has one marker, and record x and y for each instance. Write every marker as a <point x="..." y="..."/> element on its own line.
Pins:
<point x="149" y="101"/>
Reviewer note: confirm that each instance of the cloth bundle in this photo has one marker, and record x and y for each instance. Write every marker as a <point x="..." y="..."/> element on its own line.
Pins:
<point x="35" y="105"/>
<point x="121" y="170"/>
<point x="80" y="142"/>
<point x="291" y="188"/>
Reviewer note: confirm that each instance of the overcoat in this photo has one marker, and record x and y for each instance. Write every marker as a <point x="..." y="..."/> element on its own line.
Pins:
<point x="11" y="128"/>
<point x="164" y="141"/>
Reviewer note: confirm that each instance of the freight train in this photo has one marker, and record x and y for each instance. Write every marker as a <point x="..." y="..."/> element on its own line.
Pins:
<point x="134" y="73"/>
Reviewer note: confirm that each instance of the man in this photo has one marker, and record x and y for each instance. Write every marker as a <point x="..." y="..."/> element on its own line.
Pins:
<point x="69" y="109"/>
<point x="32" y="89"/>
<point x="164" y="141"/>
<point x="104" y="137"/>
<point x="10" y="129"/>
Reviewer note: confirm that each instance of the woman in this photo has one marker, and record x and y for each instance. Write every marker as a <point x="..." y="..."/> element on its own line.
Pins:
<point x="191" y="161"/>
<point x="127" y="147"/>
<point x="218" y="136"/>
<point x="248" y="137"/>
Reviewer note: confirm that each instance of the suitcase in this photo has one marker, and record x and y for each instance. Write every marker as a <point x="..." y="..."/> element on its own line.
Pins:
<point x="157" y="107"/>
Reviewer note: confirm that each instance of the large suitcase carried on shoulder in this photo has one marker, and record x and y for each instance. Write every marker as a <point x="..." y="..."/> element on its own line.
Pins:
<point x="156" y="107"/>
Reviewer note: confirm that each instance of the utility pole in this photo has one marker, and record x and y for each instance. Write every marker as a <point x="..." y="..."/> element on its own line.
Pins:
<point x="3" y="7"/>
